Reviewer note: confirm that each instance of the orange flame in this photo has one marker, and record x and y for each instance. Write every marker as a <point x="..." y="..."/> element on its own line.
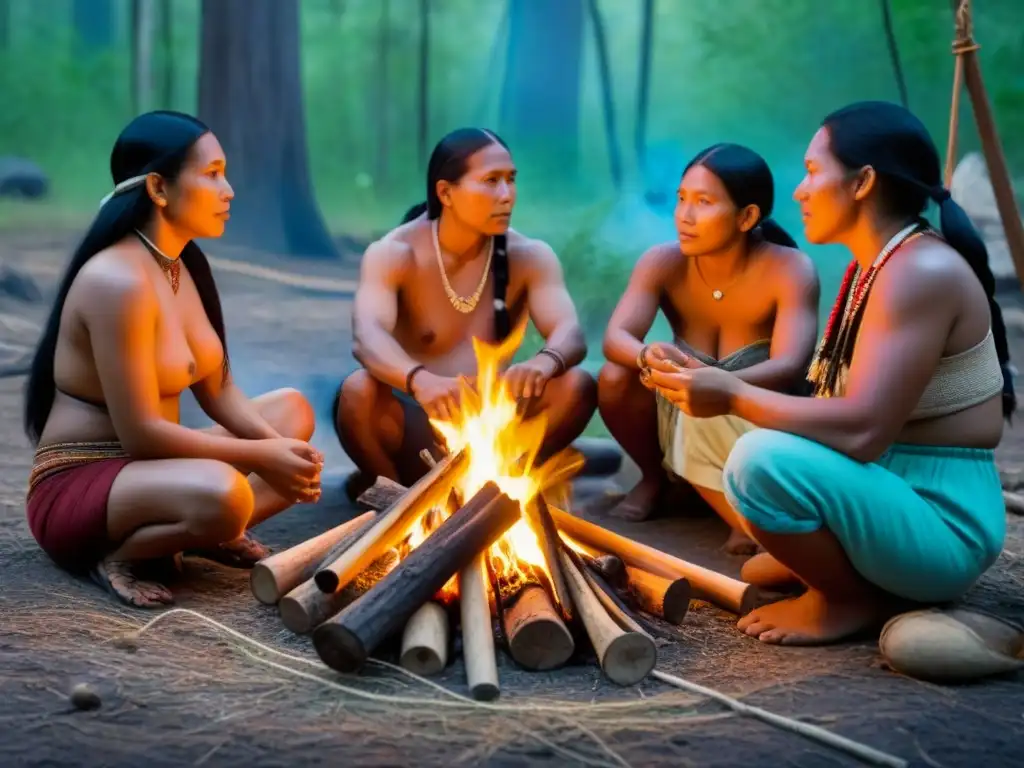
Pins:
<point x="502" y="446"/>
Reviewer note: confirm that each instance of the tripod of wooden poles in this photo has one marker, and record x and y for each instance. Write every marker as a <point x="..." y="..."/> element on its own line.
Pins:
<point x="968" y="72"/>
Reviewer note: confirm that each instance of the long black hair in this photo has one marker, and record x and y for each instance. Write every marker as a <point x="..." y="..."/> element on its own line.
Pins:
<point x="749" y="181"/>
<point x="448" y="162"/>
<point x="896" y="144"/>
<point x="155" y="142"/>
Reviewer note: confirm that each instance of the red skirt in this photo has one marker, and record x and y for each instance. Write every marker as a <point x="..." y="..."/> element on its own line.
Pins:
<point x="67" y="501"/>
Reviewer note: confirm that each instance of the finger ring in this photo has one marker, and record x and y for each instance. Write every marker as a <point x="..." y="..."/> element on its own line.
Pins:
<point x="645" y="375"/>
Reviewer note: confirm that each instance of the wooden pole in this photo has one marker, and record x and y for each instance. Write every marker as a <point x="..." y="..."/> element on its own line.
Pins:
<point x="626" y="658"/>
<point x="425" y="640"/>
<point x="346" y="641"/>
<point x="275" y="576"/>
<point x="477" y="635"/>
<point x="539" y="518"/>
<point x="668" y="599"/>
<point x="966" y="48"/>
<point x="717" y="588"/>
<point x="394" y="523"/>
<point x="537" y="637"/>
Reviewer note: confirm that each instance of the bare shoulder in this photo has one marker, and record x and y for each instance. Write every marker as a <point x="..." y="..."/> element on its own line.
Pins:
<point x="393" y="254"/>
<point x="791" y="266"/>
<point x="529" y="250"/>
<point x="661" y="260"/>
<point x="113" y="278"/>
<point x="927" y="273"/>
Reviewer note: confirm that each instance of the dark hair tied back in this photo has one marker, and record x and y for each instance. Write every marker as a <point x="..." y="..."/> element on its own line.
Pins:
<point x="896" y="144"/>
<point x="154" y="142"/>
<point x="749" y="181"/>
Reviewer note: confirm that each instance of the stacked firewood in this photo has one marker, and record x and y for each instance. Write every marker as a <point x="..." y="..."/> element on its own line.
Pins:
<point x="363" y="585"/>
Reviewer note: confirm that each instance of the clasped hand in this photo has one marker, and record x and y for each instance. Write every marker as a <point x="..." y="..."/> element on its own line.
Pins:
<point x="694" y="388"/>
<point x="291" y="467"/>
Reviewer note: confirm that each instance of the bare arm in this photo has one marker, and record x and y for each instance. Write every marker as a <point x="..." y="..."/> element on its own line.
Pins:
<point x="375" y="314"/>
<point x="551" y="307"/>
<point x="222" y="400"/>
<point x="634" y="314"/>
<point x="795" y="330"/>
<point x="899" y="346"/>
<point x="122" y="330"/>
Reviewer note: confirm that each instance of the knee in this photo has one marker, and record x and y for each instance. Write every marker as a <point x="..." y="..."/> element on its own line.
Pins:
<point x="581" y="389"/>
<point x="357" y="397"/>
<point x="614" y="380"/>
<point x="225" y="504"/>
<point x="299" y="414"/>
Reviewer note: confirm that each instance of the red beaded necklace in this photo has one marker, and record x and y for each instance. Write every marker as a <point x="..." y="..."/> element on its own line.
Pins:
<point x="832" y="358"/>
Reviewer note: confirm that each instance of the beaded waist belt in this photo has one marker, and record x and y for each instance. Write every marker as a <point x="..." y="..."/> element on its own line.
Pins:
<point x="58" y="457"/>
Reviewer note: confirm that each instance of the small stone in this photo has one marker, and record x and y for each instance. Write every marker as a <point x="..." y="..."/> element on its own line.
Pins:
<point x="84" y="697"/>
<point x="129" y="641"/>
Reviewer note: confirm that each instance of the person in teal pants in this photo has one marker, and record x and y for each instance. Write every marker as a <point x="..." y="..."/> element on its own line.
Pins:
<point x="881" y="492"/>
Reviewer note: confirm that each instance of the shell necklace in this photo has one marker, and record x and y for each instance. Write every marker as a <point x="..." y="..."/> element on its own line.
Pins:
<point x="464" y="304"/>
<point x="171" y="267"/>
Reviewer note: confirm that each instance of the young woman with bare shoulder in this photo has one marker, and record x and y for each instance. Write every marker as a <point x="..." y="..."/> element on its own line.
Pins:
<point x="117" y="483"/>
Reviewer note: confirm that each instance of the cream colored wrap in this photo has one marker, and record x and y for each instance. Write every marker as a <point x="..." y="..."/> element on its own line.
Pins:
<point x="696" y="449"/>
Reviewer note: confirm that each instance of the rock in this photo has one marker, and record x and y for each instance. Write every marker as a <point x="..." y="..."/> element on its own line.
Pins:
<point x="601" y="457"/>
<point x="971" y="187"/>
<point x="85" y="698"/>
<point x="22" y="178"/>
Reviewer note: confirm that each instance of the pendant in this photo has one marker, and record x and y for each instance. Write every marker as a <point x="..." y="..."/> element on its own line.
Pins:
<point x="717" y="295"/>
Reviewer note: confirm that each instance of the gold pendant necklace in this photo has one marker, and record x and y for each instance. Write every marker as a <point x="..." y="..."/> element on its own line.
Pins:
<point x="716" y="293"/>
<point x="171" y="267"/>
<point x="463" y="304"/>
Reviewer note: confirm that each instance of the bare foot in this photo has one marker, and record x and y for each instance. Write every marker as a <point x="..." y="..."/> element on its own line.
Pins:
<point x="811" y="619"/>
<point x="639" y="503"/>
<point x="117" y="578"/>
<point x="739" y="543"/>
<point x="243" y="552"/>
<point x="763" y="570"/>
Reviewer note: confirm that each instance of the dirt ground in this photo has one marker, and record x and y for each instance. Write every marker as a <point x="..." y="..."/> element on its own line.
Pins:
<point x="189" y="692"/>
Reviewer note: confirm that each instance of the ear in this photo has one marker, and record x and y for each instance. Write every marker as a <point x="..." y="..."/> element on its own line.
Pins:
<point x="444" y="192"/>
<point x="748" y="217"/>
<point x="865" y="182"/>
<point x="156" y="187"/>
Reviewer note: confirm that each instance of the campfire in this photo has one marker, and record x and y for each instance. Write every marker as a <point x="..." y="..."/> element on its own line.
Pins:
<point x="478" y="544"/>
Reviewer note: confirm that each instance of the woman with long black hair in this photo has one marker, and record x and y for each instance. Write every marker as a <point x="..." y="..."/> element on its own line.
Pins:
<point x="117" y="482"/>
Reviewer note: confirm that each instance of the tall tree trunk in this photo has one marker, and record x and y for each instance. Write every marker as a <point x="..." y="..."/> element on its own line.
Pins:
<point x="382" y="103"/>
<point x="142" y="19"/>
<point x="167" y="44"/>
<point x="542" y="79"/>
<point x="423" y="92"/>
<point x="607" y="98"/>
<point x="94" y="23"/>
<point x="250" y="94"/>
<point x="644" y="84"/>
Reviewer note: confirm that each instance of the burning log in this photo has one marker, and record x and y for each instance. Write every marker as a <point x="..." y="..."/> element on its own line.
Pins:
<point x="393" y="524"/>
<point x="625" y="657"/>
<point x="717" y="588"/>
<point x="275" y="576"/>
<point x="345" y="641"/>
<point x="611" y="567"/>
<point x="477" y="637"/>
<point x="425" y="640"/>
<point x="550" y="543"/>
<point x="537" y="637"/>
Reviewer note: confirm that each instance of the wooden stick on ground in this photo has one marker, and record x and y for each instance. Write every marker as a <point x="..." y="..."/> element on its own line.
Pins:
<point x="425" y="640"/>
<point x="345" y="641"/>
<point x="307" y="606"/>
<point x="625" y="657"/>
<point x="666" y="598"/>
<point x="393" y="524"/>
<point x="537" y="637"/>
<point x="275" y="576"/>
<point x="539" y="518"/>
<point x="717" y="588"/>
<point x="477" y="636"/>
